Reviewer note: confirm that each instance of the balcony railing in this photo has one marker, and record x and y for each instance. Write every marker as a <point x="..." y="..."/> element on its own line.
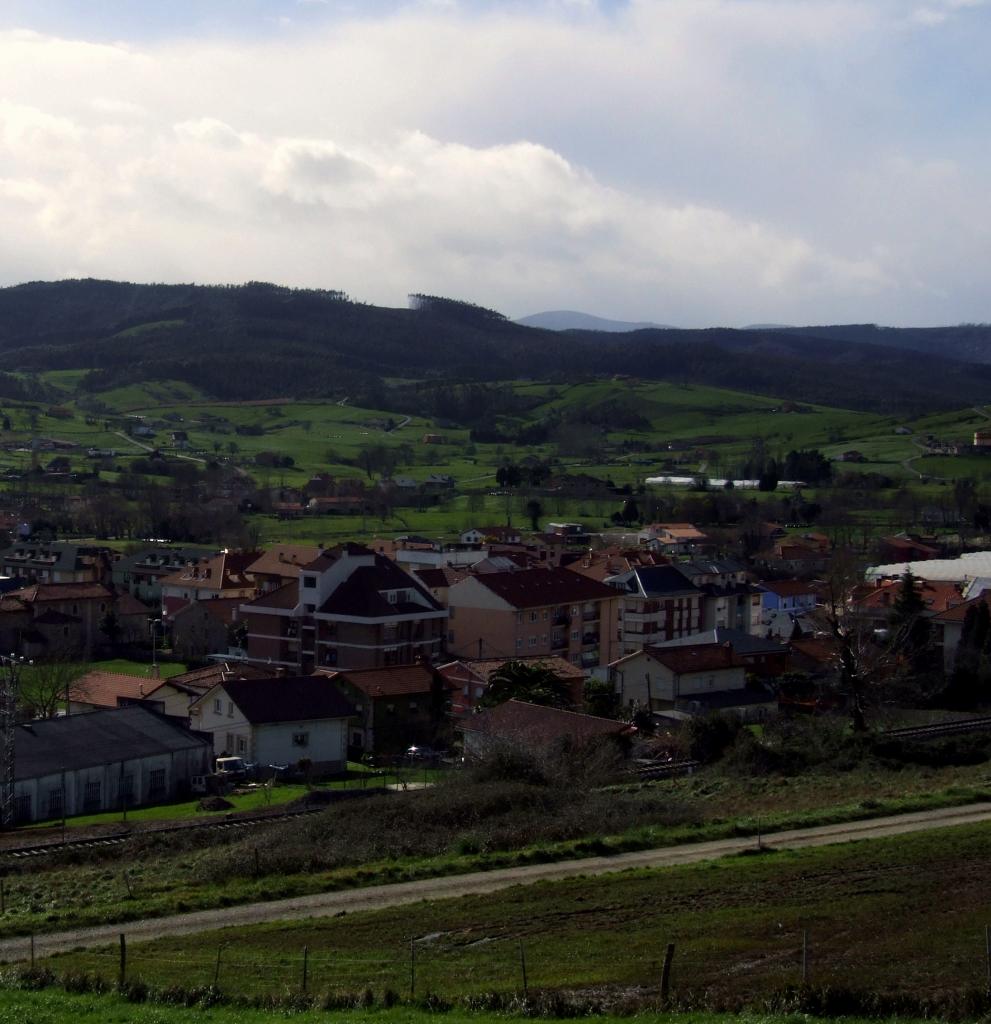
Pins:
<point x="590" y="638"/>
<point x="591" y="616"/>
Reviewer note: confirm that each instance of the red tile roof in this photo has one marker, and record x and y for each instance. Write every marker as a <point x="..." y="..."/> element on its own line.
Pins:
<point x="958" y="612"/>
<point x="390" y="681"/>
<point x="102" y="689"/>
<point x="39" y="592"/>
<point x="284" y="560"/>
<point x="696" y="658"/>
<point x="788" y="588"/>
<point x="516" y="719"/>
<point x="533" y="588"/>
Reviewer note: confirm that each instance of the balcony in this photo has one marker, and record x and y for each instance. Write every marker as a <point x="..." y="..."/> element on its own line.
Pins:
<point x="592" y="616"/>
<point x="590" y="659"/>
<point x="590" y="638"/>
<point x="559" y="641"/>
<point x="561" y="618"/>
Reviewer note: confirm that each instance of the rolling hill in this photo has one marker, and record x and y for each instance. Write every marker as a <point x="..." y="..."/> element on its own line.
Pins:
<point x="260" y="340"/>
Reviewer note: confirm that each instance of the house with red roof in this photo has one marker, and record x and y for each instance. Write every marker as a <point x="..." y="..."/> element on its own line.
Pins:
<point x="537" y="728"/>
<point x="211" y="578"/>
<point x="469" y="679"/>
<point x="689" y="680"/>
<point x="396" y="707"/>
<point x="535" y="613"/>
<point x="95" y="690"/>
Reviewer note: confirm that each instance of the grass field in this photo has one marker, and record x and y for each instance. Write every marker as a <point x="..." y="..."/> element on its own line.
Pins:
<point x="900" y="914"/>
<point x="167" y="878"/>
<point x="54" y="1006"/>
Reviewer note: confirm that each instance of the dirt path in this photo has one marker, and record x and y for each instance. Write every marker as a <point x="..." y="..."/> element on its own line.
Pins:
<point x="384" y="896"/>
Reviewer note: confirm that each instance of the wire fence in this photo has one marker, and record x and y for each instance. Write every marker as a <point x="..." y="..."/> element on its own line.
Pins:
<point x="471" y="967"/>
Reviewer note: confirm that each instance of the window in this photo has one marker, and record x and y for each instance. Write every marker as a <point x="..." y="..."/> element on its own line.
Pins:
<point x="533" y="616"/>
<point x="309" y="608"/>
<point x="218" y="706"/>
<point x="242" y="745"/>
<point x="519" y="618"/>
<point x="574" y="634"/>
<point x="230" y="743"/>
<point x="413" y="705"/>
<point x="543" y="639"/>
<point x="392" y="596"/>
<point x="309" y="582"/>
<point x="450" y="636"/>
<point x="519" y="642"/>
<point x="91" y="796"/>
<point x="230" y="709"/>
<point x="533" y="641"/>
<point x="546" y="613"/>
<point x="22" y="808"/>
<point x="356" y="739"/>
<point x="127" y="788"/>
<point x="156" y="784"/>
<point x="55" y="802"/>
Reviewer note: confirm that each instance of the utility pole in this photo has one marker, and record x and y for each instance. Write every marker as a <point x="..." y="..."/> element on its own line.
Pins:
<point x="8" y="719"/>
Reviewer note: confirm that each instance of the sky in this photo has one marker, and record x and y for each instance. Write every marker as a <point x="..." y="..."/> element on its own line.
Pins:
<point x="691" y="162"/>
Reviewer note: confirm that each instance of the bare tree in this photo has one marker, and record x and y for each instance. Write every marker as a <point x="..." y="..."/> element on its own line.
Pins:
<point x="46" y="685"/>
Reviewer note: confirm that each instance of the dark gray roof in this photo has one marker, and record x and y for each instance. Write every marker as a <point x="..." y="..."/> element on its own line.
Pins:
<point x="97" y="738"/>
<point x="742" y="643"/>
<point x="288" y="699"/>
<point x="654" y="581"/>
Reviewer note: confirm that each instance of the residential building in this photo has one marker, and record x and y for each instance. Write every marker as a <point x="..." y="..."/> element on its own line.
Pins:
<point x="201" y="628"/>
<point x="761" y="656"/>
<point x="685" y="681"/>
<point x="96" y="690"/>
<point x="103" y="761"/>
<point x="796" y="597"/>
<point x="208" y="579"/>
<point x="469" y="679"/>
<point x="280" y="565"/>
<point x="350" y="608"/>
<point x="141" y="574"/>
<point x="280" y="720"/>
<point x="874" y="604"/>
<point x="56" y="562"/>
<point x="535" y="612"/>
<point x="396" y="707"/>
<point x="48" y="619"/>
<point x="538" y="729"/>
<point x="178" y="692"/>
<point x="674" y="538"/>
<point x="657" y="603"/>
<point x="729" y="600"/>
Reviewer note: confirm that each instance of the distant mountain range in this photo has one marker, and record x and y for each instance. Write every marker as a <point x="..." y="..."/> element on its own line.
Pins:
<point x="571" y="320"/>
<point x="259" y="341"/>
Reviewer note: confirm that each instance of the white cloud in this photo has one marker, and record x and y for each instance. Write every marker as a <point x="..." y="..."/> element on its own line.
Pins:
<point x="696" y="162"/>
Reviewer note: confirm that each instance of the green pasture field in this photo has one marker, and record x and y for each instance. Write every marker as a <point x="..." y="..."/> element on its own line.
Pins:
<point x="905" y="914"/>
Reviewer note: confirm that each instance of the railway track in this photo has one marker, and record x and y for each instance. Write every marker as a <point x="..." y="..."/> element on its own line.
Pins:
<point x="939" y="729"/>
<point x="53" y="847"/>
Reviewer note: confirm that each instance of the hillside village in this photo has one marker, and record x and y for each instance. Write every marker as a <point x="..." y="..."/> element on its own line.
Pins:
<point x="303" y="658"/>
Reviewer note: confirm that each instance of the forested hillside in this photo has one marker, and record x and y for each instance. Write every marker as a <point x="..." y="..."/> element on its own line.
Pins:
<point x="260" y="340"/>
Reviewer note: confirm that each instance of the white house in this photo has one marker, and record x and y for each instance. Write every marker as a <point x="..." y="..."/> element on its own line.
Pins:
<point x="681" y="682"/>
<point x="277" y="721"/>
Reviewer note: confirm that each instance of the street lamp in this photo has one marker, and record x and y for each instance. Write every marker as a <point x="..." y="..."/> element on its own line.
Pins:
<point x="153" y="627"/>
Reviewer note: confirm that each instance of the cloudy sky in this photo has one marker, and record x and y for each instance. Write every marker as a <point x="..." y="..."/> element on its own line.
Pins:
<point x="694" y="162"/>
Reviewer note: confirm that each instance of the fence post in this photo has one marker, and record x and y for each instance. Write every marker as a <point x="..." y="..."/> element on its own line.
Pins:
<point x="123" y="960"/>
<point x="3" y="896"/>
<point x="666" y="973"/>
<point x="805" y="956"/>
<point x="412" y="968"/>
<point x="987" y="953"/>
<point x="523" y="970"/>
<point x="216" y="972"/>
<point x="306" y="966"/>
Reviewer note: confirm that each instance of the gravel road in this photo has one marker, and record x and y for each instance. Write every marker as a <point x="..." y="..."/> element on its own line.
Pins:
<point x="399" y="894"/>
